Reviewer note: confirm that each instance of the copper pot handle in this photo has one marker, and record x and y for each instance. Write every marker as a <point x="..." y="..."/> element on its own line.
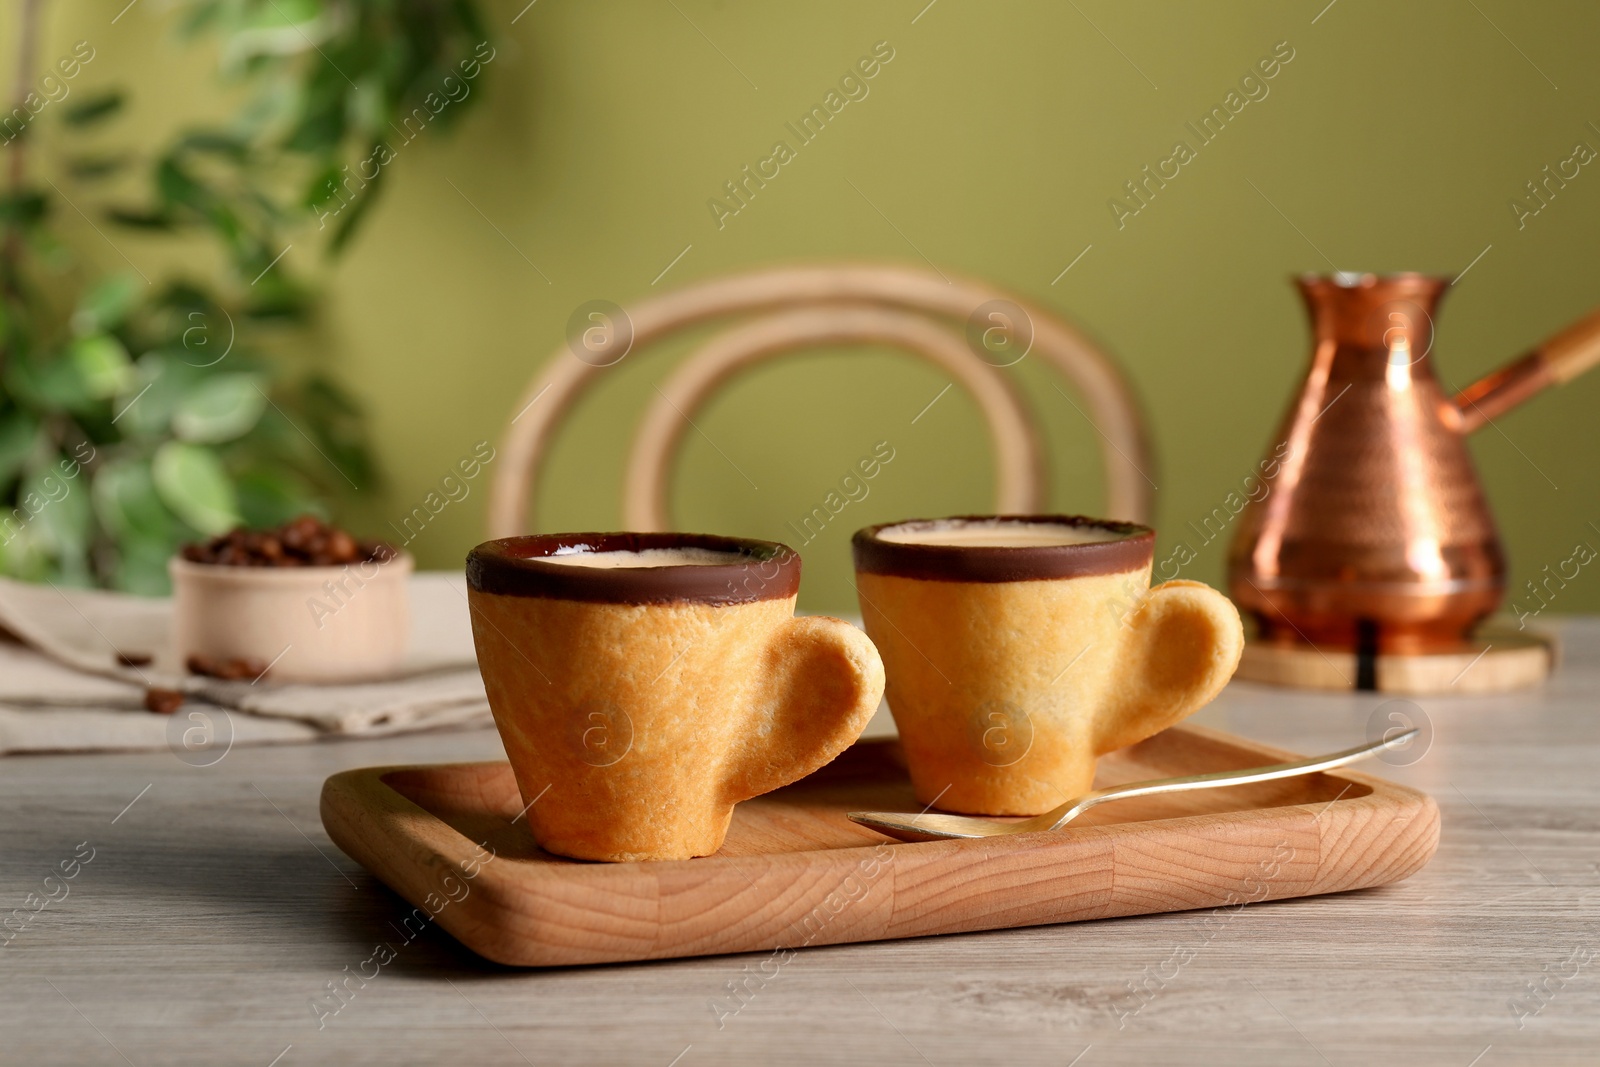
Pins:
<point x="1573" y="350"/>
<point x="1557" y="361"/>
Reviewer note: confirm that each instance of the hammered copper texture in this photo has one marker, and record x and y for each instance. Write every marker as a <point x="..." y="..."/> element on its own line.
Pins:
<point x="1374" y="532"/>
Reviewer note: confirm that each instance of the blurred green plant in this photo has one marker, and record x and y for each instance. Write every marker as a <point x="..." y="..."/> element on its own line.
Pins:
<point x="139" y="413"/>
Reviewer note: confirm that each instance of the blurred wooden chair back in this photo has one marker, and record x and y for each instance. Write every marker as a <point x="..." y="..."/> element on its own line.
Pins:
<point x="967" y="328"/>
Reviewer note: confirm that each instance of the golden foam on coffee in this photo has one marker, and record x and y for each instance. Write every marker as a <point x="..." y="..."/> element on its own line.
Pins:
<point x="997" y="534"/>
<point x="578" y="556"/>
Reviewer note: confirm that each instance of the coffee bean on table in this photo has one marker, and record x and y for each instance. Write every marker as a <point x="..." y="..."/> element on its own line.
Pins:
<point x="228" y="670"/>
<point x="162" y="701"/>
<point x="241" y="668"/>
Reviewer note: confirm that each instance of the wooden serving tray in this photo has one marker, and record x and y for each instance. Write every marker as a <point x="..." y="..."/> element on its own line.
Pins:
<point x="795" y="872"/>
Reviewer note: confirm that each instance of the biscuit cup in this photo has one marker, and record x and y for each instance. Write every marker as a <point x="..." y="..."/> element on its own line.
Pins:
<point x="1012" y="669"/>
<point x="639" y="704"/>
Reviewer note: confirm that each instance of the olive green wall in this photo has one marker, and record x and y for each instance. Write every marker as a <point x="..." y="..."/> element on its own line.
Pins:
<point x="991" y="143"/>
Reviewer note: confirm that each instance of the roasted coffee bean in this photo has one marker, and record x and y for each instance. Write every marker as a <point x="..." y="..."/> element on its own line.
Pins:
<point x="162" y="701"/>
<point x="341" y="547"/>
<point x="236" y="669"/>
<point x="377" y="551"/>
<point x="305" y="541"/>
<point x="299" y="533"/>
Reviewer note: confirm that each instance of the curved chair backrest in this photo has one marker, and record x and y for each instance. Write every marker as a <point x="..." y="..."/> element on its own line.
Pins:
<point x="800" y="307"/>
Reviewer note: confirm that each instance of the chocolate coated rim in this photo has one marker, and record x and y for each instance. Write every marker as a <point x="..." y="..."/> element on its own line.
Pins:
<point x="989" y="563"/>
<point x="512" y="566"/>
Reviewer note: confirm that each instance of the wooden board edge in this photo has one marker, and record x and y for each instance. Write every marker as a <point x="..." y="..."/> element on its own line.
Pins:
<point x="349" y="799"/>
<point x="370" y="821"/>
<point x="1405" y="821"/>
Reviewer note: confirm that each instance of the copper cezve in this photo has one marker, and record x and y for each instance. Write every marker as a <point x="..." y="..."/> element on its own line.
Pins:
<point x="1375" y="534"/>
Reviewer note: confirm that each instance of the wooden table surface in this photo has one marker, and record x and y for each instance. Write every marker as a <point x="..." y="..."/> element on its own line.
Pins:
<point x="214" y="909"/>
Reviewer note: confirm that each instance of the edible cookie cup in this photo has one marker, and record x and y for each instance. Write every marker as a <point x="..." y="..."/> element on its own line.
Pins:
<point x="639" y="703"/>
<point x="1011" y="668"/>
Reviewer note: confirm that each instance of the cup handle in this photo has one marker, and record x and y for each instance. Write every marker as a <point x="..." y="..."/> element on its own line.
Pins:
<point x="1182" y="645"/>
<point x="822" y="680"/>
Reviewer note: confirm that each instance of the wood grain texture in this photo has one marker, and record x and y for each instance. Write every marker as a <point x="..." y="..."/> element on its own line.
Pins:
<point x="796" y="872"/>
<point x="216" y="908"/>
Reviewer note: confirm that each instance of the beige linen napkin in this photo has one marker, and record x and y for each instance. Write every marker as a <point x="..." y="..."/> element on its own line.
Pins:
<point x="68" y="659"/>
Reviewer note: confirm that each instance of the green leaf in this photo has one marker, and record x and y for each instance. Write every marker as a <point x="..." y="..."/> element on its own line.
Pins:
<point x="220" y="409"/>
<point x="272" y="108"/>
<point x="142" y="567"/>
<point x="324" y="187"/>
<point x="280" y="13"/>
<point x="160" y="382"/>
<point x="22" y="209"/>
<point x="21" y="556"/>
<point x="269" y="497"/>
<point x="353" y="216"/>
<point x="333" y="419"/>
<point x="279" y="302"/>
<point x="126" y="501"/>
<point x="141" y="220"/>
<point x="216" y="142"/>
<point x="61" y="512"/>
<point x="94" y="167"/>
<point x="366" y="109"/>
<point x="192" y="482"/>
<point x="19" y="433"/>
<point x="319" y="130"/>
<point x="93" y="109"/>
<point x="105" y="304"/>
<point x="51" y="250"/>
<point x="179" y="188"/>
<point x="55" y="384"/>
<point x="326" y="398"/>
<point x="241" y="244"/>
<point x="283" y="27"/>
<point x="102" y="365"/>
<point x="199" y="16"/>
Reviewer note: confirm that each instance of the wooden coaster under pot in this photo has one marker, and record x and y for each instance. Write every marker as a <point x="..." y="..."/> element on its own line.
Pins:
<point x="1498" y="659"/>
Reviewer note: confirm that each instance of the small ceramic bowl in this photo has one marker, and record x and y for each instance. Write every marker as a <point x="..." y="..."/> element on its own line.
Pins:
<point x="312" y="624"/>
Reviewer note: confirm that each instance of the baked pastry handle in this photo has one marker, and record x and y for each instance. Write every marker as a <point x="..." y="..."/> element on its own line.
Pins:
<point x="822" y="679"/>
<point x="1179" y="648"/>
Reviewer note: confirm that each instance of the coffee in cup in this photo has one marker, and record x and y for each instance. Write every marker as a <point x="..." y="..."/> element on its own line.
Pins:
<point x="643" y="684"/>
<point x="1021" y="648"/>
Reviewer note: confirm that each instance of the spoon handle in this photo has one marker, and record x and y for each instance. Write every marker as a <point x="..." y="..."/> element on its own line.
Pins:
<point x="1216" y="779"/>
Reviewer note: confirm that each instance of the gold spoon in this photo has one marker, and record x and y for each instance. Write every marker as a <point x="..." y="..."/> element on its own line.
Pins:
<point x="936" y="827"/>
